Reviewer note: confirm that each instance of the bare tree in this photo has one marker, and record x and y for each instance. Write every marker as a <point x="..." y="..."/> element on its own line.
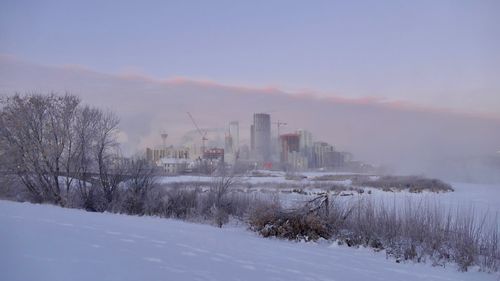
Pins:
<point x="55" y="144"/>
<point x="141" y="180"/>
<point x="223" y="180"/>
<point x="34" y="129"/>
<point x="86" y="130"/>
<point x="110" y="169"/>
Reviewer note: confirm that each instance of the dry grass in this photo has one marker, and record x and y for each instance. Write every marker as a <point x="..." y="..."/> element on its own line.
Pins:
<point x="272" y="221"/>
<point x="414" y="184"/>
<point x="419" y="231"/>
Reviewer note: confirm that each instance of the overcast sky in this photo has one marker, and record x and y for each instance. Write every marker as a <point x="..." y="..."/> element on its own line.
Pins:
<point x="443" y="54"/>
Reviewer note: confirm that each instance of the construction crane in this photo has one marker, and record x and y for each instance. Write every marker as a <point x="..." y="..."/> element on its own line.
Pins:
<point x="279" y="124"/>
<point x="203" y="134"/>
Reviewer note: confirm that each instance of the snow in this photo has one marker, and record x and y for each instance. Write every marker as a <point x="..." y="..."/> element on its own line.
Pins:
<point x="271" y="177"/>
<point x="42" y="242"/>
<point x="482" y="199"/>
<point x="481" y="196"/>
<point x="174" y="179"/>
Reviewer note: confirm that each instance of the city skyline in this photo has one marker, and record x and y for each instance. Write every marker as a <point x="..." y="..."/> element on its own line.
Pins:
<point x="249" y="140"/>
<point x="411" y="139"/>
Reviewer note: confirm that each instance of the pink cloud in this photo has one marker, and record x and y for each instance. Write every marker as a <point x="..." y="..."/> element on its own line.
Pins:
<point x="414" y="137"/>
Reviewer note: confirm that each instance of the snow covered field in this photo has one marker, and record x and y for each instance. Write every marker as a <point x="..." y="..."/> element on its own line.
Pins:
<point x="269" y="177"/>
<point x="483" y="199"/>
<point x="41" y="242"/>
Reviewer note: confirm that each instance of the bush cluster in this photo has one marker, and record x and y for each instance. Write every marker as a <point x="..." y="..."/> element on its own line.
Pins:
<point x="414" y="184"/>
<point x="272" y="221"/>
<point x="417" y="231"/>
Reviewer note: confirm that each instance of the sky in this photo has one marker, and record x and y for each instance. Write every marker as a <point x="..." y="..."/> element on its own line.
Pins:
<point x="413" y="85"/>
<point x="440" y="54"/>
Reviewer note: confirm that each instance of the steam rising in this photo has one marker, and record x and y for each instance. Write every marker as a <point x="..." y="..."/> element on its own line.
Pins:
<point x="407" y="139"/>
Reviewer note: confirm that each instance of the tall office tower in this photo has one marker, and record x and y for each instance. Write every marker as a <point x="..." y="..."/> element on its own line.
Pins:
<point x="261" y="136"/>
<point x="234" y="131"/>
<point x="289" y="143"/>
<point x="252" y="139"/>
<point x="305" y="140"/>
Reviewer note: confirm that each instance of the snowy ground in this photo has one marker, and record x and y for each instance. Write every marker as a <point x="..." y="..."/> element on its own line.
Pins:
<point x="40" y="242"/>
<point x="269" y="177"/>
<point x="482" y="199"/>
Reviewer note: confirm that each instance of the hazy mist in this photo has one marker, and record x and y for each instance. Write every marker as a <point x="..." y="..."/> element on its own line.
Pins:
<point x="406" y="138"/>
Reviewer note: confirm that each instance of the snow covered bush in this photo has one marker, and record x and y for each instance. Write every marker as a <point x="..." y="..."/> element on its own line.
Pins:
<point x="418" y="231"/>
<point x="272" y="221"/>
<point x="414" y="184"/>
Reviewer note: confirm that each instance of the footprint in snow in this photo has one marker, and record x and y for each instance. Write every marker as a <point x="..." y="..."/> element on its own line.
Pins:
<point x="158" y="241"/>
<point x="223" y="256"/>
<point x="150" y="259"/>
<point x="137" y="236"/>
<point x="127" y="240"/>
<point x="249" y="267"/>
<point x="191" y="254"/>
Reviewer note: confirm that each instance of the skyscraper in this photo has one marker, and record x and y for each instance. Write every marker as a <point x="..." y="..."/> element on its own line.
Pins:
<point x="234" y="131"/>
<point x="232" y="143"/>
<point x="289" y="143"/>
<point x="261" y="136"/>
<point x="305" y="140"/>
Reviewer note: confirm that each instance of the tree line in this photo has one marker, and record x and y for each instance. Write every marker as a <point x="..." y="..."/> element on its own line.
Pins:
<point x="60" y="149"/>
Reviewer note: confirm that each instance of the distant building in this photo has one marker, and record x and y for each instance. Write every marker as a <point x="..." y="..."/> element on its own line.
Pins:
<point x="174" y="165"/>
<point x="153" y="155"/>
<point x="232" y="143"/>
<point x="289" y="143"/>
<point x="252" y="138"/>
<point x="296" y="161"/>
<point x="334" y="159"/>
<point x="320" y="154"/>
<point x="244" y="152"/>
<point x="305" y="140"/>
<point x="228" y="144"/>
<point x="261" y="137"/>
<point x="195" y="150"/>
<point x="234" y="132"/>
<point x="324" y="155"/>
<point x="214" y="154"/>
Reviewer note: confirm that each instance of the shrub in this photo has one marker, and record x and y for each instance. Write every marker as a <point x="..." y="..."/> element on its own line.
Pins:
<point x="414" y="184"/>
<point x="271" y="220"/>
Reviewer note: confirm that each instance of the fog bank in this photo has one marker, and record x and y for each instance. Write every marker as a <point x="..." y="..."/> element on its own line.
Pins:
<point x="407" y="138"/>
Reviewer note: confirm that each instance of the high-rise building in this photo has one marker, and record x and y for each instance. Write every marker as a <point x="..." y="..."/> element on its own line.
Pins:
<point x="232" y="143"/>
<point x="305" y="140"/>
<point x="321" y="150"/>
<point x="261" y="136"/>
<point x="334" y="159"/>
<point x="228" y="144"/>
<point x="252" y="138"/>
<point x="234" y="131"/>
<point x="289" y="143"/>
